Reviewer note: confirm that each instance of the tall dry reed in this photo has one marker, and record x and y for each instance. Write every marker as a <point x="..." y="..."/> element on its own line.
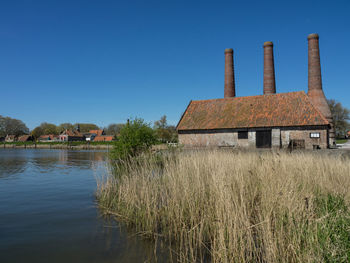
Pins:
<point x="215" y="206"/>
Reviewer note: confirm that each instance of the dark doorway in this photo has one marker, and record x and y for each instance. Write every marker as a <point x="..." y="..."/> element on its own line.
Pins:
<point x="263" y="139"/>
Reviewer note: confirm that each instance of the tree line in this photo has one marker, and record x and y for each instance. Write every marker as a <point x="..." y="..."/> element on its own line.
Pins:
<point x="11" y="126"/>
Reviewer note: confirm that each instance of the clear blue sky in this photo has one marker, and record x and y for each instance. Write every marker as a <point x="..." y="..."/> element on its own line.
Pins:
<point x="106" y="61"/>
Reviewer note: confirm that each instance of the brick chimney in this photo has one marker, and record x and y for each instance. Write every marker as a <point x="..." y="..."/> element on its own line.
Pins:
<point x="315" y="91"/>
<point x="269" y="69"/>
<point x="229" y="74"/>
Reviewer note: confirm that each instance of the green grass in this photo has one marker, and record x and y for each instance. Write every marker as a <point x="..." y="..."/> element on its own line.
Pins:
<point x="340" y="141"/>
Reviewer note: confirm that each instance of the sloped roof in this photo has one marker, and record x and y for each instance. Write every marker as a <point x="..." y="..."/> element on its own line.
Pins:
<point x="24" y="138"/>
<point x="97" y="132"/>
<point x="47" y="137"/>
<point x="72" y="133"/>
<point x="276" y="110"/>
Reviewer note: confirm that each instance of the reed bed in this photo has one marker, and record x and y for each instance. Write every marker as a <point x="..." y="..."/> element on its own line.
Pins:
<point x="220" y="206"/>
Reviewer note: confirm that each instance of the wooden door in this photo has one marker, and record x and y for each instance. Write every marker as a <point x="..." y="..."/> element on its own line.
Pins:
<point x="263" y="139"/>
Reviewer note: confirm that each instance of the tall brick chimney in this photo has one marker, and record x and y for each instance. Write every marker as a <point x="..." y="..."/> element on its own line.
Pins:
<point x="315" y="91"/>
<point x="269" y="69"/>
<point x="229" y="74"/>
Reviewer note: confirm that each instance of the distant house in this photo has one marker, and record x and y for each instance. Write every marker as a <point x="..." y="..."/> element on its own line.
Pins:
<point x="25" y="138"/>
<point x="71" y="135"/>
<point x="10" y="138"/>
<point x="48" y="138"/>
<point x="348" y="134"/>
<point x="89" y="136"/>
<point x="104" y="138"/>
<point x="93" y="134"/>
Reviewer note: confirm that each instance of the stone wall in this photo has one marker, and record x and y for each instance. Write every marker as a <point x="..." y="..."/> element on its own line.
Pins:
<point x="208" y="139"/>
<point x="214" y="139"/>
<point x="280" y="138"/>
<point x="287" y="135"/>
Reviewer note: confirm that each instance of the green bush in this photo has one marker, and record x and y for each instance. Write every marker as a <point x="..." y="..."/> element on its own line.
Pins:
<point x="135" y="137"/>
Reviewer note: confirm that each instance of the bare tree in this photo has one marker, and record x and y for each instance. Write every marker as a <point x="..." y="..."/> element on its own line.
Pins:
<point x="341" y="115"/>
<point x="114" y="128"/>
<point x="12" y="126"/>
<point x="165" y="132"/>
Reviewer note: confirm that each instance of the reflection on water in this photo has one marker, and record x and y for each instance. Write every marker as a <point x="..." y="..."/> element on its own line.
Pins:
<point x="15" y="161"/>
<point x="48" y="211"/>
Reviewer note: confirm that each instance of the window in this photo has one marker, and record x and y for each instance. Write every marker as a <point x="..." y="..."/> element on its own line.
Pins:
<point x="314" y="135"/>
<point x="242" y="135"/>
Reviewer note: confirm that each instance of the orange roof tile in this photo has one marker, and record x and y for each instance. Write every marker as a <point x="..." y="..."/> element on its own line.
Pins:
<point x="276" y="110"/>
<point x="24" y="138"/>
<point x="97" y="132"/>
<point x="72" y="133"/>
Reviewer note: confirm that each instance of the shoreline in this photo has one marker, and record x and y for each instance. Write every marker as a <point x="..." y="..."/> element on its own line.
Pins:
<point x="57" y="146"/>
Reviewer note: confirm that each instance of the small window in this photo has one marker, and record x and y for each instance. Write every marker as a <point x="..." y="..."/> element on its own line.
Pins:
<point x="314" y="135"/>
<point x="242" y="135"/>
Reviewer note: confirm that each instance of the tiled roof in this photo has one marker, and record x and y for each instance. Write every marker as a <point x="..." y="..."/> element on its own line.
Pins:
<point x="97" y="132"/>
<point x="276" y="110"/>
<point x="73" y="133"/>
<point x="103" y="138"/>
<point x="47" y="137"/>
<point x="24" y="138"/>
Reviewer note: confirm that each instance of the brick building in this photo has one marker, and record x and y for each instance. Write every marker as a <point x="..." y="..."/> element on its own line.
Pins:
<point x="264" y="121"/>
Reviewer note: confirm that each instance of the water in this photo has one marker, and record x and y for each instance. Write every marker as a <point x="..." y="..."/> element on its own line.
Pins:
<point x="48" y="211"/>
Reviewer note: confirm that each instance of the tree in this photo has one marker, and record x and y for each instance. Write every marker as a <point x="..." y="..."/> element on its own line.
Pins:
<point x="135" y="137"/>
<point x="65" y="126"/>
<point x="37" y="132"/>
<point x="2" y="126"/>
<point x="165" y="132"/>
<point x="12" y="126"/>
<point x="86" y="127"/>
<point x="49" y="128"/>
<point x="44" y="129"/>
<point x="341" y="115"/>
<point x="114" y="128"/>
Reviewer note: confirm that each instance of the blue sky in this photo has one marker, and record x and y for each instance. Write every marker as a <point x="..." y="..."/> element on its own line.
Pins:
<point x="105" y="61"/>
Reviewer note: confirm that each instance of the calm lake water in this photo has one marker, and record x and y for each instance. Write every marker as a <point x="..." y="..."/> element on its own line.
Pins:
<point x="48" y="211"/>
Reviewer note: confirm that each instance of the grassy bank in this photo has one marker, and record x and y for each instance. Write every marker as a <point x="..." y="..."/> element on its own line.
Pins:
<point x="237" y="207"/>
<point x="340" y="141"/>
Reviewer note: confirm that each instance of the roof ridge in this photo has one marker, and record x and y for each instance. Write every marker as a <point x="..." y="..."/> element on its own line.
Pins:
<point x="253" y="96"/>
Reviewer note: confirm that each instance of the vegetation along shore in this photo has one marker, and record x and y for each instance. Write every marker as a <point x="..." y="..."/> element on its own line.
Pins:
<point x="236" y="206"/>
<point x="58" y="145"/>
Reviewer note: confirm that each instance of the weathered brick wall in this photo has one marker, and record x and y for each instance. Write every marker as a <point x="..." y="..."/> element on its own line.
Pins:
<point x="275" y="138"/>
<point x="208" y="139"/>
<point x="288" y="135"/>
<point x="279" y="138"/>
<point x="216" y="139"/>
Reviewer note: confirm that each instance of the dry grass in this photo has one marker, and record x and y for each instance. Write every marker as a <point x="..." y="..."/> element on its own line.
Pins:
<point x="220" y="206"/>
